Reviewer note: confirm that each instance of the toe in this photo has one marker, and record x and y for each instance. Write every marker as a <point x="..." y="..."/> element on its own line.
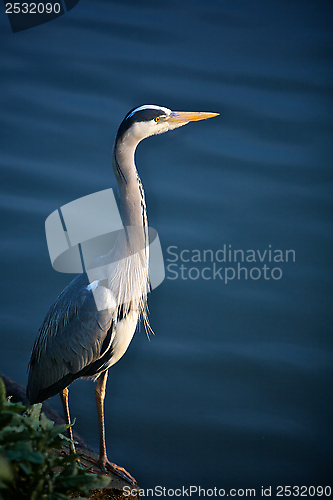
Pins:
<point x="120" y="471"/>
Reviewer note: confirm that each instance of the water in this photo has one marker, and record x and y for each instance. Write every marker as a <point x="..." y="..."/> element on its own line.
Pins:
<point x="234" y="390"/>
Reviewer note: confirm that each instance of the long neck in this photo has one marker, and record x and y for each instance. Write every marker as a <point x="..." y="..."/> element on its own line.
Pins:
<point x="132" y="195"/>
<point x="130" y="278"/>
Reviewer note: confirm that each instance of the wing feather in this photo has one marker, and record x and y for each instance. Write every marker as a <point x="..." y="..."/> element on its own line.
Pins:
<point x="70" y="338"/>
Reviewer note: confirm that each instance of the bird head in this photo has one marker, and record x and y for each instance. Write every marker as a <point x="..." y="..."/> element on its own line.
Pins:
<point x="149" y="119"/>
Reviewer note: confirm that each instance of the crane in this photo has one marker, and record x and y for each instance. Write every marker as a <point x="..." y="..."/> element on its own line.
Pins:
<point x="91" y="324"/>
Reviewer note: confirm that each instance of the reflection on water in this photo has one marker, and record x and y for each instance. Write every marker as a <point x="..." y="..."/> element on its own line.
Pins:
<point x="233" y="390"/>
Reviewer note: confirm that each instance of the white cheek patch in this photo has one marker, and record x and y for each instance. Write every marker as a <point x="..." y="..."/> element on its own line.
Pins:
<point x="141" y="130"/>
<point x="174" y="125"/>
<point x="161" y="128"/>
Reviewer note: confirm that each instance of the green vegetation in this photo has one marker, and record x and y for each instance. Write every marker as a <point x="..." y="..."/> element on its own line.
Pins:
<point x="28" y="469"/>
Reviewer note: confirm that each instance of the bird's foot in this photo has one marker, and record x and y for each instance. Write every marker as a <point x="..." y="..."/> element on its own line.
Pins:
<point x="82" y="464"/>
<point x="105" y="465"/>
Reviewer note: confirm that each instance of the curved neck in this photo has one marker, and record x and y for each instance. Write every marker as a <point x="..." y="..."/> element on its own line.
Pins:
<point x="132" y="195"/>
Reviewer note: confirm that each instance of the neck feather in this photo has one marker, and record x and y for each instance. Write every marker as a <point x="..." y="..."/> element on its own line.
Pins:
<point x="132" y="195"/>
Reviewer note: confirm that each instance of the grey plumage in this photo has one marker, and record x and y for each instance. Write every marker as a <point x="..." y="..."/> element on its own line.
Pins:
<point x="74" y="335"/>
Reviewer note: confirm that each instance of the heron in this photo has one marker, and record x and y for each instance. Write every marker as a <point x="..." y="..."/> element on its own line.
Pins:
<point x="78" y="338"/>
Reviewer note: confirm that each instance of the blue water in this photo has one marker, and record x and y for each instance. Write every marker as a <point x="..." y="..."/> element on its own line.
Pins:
<point x="235" y="388"/>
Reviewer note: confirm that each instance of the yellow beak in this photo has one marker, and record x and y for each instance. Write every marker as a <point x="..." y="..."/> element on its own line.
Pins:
<point x="192" y="116"/>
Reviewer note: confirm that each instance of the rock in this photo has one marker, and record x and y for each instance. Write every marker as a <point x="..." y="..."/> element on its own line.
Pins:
<point x="115" y="489"/>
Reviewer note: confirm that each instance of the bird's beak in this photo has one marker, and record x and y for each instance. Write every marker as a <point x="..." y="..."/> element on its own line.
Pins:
<point x="183" y="117"/>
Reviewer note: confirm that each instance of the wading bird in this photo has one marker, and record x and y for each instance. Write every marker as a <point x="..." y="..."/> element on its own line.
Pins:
<point x="79" y="339"/>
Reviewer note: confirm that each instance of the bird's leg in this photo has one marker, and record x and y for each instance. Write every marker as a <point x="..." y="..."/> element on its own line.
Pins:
<point x="99" y="397"/>
<point x="103" y="459"/>
<point x="64" y="399"/>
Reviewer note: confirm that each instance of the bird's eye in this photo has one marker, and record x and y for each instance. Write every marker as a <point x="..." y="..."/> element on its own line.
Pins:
<point x="157" y="119"/>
